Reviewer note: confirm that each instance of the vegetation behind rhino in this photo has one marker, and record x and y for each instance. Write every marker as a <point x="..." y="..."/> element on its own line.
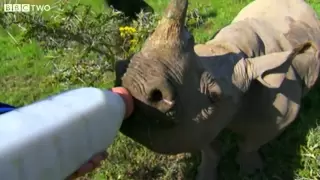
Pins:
<point x="249" y="78"/>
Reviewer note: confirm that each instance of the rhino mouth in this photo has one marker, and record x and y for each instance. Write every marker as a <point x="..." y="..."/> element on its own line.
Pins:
<point x="143" y="130"/>
<point x="153" y="129"/>
<point x="148" y="115"/>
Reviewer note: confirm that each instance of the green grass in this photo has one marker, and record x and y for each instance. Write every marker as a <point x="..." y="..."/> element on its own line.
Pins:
<point x="294" y="155"/>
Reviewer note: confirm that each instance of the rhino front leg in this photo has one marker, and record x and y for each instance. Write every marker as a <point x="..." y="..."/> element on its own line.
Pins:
<point x="210" y="157"/>
<point x="249" y="157"/>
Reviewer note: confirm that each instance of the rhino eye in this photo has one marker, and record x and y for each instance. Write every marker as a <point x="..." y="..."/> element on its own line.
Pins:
<point x="155" y="96"/>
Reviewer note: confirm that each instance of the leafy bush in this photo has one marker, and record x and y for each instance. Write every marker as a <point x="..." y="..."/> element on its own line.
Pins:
<point x="84" y="44"/>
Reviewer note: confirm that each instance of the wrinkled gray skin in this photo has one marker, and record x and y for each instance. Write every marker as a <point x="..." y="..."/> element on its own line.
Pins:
<point x="249" y="78"/>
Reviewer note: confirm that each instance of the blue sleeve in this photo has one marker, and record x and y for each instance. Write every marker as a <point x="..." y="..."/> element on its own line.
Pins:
<point x="5" y="108"/>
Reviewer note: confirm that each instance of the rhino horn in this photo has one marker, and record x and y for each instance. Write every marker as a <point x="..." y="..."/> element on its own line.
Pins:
<point x="170" y="32"/>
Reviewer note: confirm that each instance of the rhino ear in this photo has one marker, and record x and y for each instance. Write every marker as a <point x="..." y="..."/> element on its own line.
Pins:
<point x="311" y="62"/>
<point x="271" y="69"/>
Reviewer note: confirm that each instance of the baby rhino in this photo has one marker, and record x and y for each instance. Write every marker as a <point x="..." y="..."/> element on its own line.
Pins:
<point x="249" y="78"/>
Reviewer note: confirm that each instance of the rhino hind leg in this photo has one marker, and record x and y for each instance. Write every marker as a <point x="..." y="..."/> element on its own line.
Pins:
<point x="210" y="157"/>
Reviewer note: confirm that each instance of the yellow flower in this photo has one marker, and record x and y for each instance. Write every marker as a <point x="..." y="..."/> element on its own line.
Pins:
<point x="121" y="29"/>
<point x="133" y="41"/>
<point x="133" y="30"/>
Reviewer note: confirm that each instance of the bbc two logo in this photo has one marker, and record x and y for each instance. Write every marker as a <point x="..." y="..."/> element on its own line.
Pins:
<point x="25" y="7"/>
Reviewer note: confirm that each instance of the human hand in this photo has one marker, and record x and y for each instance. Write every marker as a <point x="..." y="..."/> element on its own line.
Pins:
<point x="89" y="166"/>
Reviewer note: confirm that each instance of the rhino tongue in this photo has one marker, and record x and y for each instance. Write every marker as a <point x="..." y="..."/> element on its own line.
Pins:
<point x="126" y="96"/>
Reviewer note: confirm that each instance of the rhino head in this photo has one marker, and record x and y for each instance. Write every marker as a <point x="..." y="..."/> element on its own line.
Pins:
<point x="180" y="106"/>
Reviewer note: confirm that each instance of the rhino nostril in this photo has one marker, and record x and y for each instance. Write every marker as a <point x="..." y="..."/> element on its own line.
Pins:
<point x="155" y="96"/>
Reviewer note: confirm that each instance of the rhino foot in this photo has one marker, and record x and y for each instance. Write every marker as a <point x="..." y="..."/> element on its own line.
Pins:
<point x="210" y="157"/>
<point x="249" y="162"/>
<point x="205" y="174"/>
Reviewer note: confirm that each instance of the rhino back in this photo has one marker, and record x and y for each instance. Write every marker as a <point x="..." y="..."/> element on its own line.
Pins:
<point x="252" y="36"/>
<point x="266" y="26"/>
<point x="276" y="12"/>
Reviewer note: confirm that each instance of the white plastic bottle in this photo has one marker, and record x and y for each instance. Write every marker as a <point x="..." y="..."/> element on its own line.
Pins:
<point x="50" y="139"/>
